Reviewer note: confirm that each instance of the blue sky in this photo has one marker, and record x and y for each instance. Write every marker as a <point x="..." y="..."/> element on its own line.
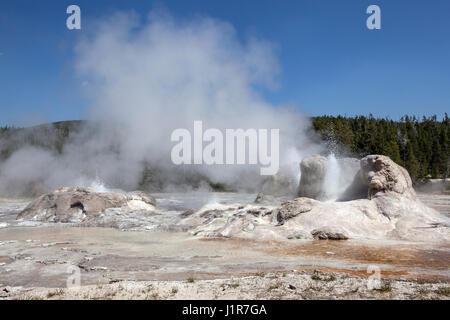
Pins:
<point x="331" y="63"/>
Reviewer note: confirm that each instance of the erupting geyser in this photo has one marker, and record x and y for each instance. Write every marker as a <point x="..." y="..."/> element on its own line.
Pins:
<point x="383" y="206"/>
<point x="326" y="178"/>
<point x="388" y="209"/>
<point x="332" y="184"/>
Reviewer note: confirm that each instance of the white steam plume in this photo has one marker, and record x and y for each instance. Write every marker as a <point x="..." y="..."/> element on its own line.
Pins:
<point x="147" y="79"/>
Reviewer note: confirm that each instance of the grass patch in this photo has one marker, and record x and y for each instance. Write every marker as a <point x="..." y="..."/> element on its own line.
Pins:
<point x="424" y="281"/>
<point x="315" y="288"/>
<point x="327" y="279"/>
<point x="174" y="290"/>
<point x="110" y="294"/>
<point x="155" y="296"/>
<point x="234" y="285"/>
<point x="190" y="280"/>
<point x="316" y="277"/>
<point x="443" y="291"/>
<point x="330" y="278"/>
<point x="274" y="286"/>
<point x="423" y="291"/>
<point x="385" y="287"/>
<point x="55" y="293"/>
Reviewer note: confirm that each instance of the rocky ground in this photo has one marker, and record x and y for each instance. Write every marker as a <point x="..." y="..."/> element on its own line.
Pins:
<point x="76" y="243"/>
<point x="299" y="285"/>
<point x="39" y="262"/>
<point x="35" y="262"/>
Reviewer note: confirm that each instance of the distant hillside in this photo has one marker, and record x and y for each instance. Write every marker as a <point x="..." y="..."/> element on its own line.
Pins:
<point x="52" y="136"/>
<point x="421" y="146"/>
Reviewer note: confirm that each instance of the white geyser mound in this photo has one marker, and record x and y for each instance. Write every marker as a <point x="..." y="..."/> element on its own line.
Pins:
<point x="383" y="205"/>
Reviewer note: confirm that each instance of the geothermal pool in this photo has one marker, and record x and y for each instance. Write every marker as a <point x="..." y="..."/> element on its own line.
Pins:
<point x="37" y="254"/>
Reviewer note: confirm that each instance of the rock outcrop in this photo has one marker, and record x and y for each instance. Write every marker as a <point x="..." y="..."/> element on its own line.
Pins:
<point x="74" y="204"/>
<point x="329" y="233"/>
<point x="378" y="176"/>
<point x="293" y="208"/>
<point x="383" y="175"/>
<point x="259" y="197"/>
<point x="386" y="209"/>
<point x="313" y="169"/>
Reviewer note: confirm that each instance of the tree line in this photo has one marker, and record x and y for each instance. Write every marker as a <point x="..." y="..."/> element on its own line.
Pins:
<point x="419" y="145"/>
